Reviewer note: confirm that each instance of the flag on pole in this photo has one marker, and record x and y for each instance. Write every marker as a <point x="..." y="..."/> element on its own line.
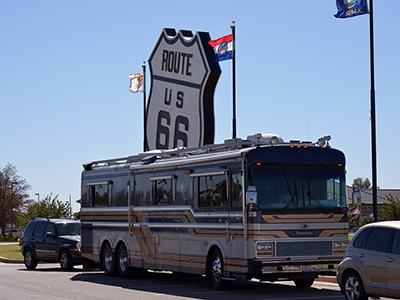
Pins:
<point x="223" y="47"/>
<point x="351" y="8"/>
<point x="137" y="83"/>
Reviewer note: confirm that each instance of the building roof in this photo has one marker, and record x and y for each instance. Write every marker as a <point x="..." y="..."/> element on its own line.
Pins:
<point x="366" y="195"/>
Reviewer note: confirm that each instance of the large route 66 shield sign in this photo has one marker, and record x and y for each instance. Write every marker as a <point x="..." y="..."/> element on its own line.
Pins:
<point x="184" y="73"/>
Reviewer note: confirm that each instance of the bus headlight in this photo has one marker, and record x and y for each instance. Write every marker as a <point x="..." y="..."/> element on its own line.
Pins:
<point x="340" y="244"/>
<point x="264" y="248"/>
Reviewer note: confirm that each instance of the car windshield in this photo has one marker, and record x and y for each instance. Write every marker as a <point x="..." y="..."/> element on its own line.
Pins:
<point x="69" y="228"/>
<point x="283" y="188"/>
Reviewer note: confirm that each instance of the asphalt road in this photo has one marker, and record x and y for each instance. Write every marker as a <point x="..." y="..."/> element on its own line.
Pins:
<point x="48" y="282"/>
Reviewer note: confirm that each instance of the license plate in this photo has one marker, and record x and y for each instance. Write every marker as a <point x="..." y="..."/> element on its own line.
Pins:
<point x="305" y="268"/>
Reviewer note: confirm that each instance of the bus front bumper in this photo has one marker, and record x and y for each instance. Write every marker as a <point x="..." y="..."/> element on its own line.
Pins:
<point x="292" y="270"/>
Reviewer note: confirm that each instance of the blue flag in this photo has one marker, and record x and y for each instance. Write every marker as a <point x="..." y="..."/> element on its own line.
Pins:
<point x="351" y="8"/>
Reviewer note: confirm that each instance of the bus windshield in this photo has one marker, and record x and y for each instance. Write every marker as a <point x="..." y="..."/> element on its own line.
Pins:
<point x="283" y="188"/>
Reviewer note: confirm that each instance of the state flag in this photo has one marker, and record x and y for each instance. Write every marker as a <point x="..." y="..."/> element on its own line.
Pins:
<point x="351" y="8"/>
<point x="223" y="47"/>
<point x="136" y="83"/>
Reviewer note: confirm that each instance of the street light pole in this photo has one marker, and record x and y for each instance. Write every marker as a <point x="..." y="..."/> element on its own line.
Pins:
<point x="13" y="183"/>
<point x="70" y="206"/>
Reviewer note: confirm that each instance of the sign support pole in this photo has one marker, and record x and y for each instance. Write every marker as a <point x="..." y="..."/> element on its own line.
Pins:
<point x="144" y="106"/>
<point x="233" y="27"/>
<point x="373" y="118"/>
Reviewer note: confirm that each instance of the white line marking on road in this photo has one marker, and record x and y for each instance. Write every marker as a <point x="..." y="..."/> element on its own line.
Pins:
<point x="304" y="298"/>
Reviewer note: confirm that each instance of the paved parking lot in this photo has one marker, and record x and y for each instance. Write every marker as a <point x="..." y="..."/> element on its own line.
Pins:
<point x="48" y="282"/>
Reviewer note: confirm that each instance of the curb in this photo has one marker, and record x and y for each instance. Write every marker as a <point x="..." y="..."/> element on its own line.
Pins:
<point x="10" y="261"/>
<point x="330" y="279"/>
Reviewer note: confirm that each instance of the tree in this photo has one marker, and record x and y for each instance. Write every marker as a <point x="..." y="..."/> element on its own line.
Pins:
<point x="13" y="196"/>
<point x="49" y="207"/>
<point x="391" y="211"/>
<point x="361" y="183"/>
<point x="77" y="215"/>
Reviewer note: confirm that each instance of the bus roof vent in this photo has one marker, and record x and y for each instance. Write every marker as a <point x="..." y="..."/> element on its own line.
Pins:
<point x="265" y="138"/>
<point x="149" y="159"/>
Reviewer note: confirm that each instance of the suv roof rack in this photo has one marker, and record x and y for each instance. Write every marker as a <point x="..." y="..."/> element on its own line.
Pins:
<point x="42" y="218"/>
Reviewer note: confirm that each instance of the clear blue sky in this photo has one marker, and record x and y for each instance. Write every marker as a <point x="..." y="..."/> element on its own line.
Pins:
<point x="302" y="73"/>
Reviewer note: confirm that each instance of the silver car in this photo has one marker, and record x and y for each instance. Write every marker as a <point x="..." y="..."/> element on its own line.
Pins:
<point x="371" y="266"/>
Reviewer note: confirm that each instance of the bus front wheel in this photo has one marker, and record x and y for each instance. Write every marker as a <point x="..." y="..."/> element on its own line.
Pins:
<point x="304" y="282"/>
<point x="216" y="270"/>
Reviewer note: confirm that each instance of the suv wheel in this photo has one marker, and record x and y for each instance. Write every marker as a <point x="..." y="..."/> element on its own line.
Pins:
<point x="108" y="260"/>
<point x="353" y="287"/>
<point x="29" y="260"/>
<point x="66" y="263"/>
<point x="123" y="262"/>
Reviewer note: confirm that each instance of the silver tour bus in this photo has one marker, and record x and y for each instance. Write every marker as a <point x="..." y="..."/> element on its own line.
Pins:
<point x="255" y="208"/>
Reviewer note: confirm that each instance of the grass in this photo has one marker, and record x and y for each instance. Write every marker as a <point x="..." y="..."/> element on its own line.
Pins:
<point x="11" y="251"/>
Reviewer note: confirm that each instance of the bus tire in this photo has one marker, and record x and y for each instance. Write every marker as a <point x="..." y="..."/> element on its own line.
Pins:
<point x="108" y="260"/>
<point x="215" y="270"/>
<point x="304" y="282"/>
<point x="122" y="262"/>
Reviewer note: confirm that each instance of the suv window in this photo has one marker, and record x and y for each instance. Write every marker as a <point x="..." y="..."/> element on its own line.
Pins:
<point x="396" y="243"/>
<point x="39" y="229"/>
<point x="361" y="238"/>
<point x="380" y="239"/>
<point x="51" y="228"/>
<point x="29" y="230"/>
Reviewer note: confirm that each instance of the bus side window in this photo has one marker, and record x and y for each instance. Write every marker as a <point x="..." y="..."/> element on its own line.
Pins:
<point x="98" y="194"/>
<point x="236" y="190"/>
<point x="210" y="191"/>
<point x="119" y="192"/>
<point x="162" y="191"/>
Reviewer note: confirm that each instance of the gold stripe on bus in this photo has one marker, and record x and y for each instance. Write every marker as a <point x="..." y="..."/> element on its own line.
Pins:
<point x="267" y="234"/>
<point x="309" y="218"/>
<point x="104" y="214"/>
<point x="334" y="233"/>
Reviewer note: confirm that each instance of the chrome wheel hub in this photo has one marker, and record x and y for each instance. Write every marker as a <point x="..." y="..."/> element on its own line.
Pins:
<point x="28" y="258"/>
<point x="216" y="269"/>
<point x="108" y="259"/>
<point x="123" y="260"/>
<point x="64" y="260"/>
<point x="352" y="288"/>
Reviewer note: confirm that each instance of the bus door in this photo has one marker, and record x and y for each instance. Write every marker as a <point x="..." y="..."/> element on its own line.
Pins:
<point x="167" y="239"/>
<point x="144" y="246"/>
<point x="235" y="219"/>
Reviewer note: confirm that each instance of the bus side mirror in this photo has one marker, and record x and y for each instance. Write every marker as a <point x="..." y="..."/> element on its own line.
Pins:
<point x="251" y="196"/>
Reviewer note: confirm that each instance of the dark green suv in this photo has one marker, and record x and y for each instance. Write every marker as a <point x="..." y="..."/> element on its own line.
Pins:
<point x="52" y="240"/>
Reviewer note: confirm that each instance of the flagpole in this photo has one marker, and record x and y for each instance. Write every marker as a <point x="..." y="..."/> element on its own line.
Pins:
<point x="144" y="106"/>
<point x="373" y="118"/>
<point x="233" y="27"/>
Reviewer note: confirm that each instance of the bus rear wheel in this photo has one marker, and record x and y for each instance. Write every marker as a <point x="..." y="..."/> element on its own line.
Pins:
<point x="108" y="260"/>
<point x="123" y="267"/>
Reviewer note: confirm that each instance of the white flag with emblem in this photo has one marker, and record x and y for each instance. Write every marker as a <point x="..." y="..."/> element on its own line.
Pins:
<point x="136" y="84"/>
